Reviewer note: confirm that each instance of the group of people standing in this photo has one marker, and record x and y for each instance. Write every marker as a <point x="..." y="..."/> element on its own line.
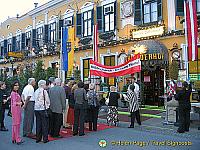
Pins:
<point x="48" y="104"/>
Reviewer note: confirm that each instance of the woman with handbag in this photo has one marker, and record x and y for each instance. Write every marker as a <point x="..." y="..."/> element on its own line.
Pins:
<point x="70" y="115"/>
<point x="81" y="105"/>
<point x="16" y="109"/>
<point x="42" y="104"/>
<point x="112" y="102"/>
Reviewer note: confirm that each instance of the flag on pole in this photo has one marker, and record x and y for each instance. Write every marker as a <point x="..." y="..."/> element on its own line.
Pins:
<point x="191" y="29"/>
<point x="64" y="49"/>
<point x="95" y="43"/>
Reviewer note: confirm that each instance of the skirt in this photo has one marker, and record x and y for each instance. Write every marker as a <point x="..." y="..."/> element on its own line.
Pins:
<point x="112" y="117"/>
<point x="70" y="116"/>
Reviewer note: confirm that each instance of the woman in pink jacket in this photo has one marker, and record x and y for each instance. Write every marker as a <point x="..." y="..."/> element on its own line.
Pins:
<point x="16" y="110"/>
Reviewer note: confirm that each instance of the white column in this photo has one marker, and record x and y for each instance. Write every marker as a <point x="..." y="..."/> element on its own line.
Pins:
<point x="34" y="22"/>
<point x="171" y="15"/>
<point x="46" y="18"/>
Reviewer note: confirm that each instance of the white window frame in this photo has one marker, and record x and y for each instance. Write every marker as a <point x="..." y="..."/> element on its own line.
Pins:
<point x="2" y="45"/>
<point x="40" y="26"/>
<point x="198" y="6"/>
<point x="53" y="32"/>
<point x="9" y="43"/>
<point x="18" y="39"/>
<point x="150" y="11"/>
<point x="87" y="7"/>
<point x="81" y="64"/>
<point x="110" y="24"/>
<point x="106" y="55"/>
<point x="68" y="16"/>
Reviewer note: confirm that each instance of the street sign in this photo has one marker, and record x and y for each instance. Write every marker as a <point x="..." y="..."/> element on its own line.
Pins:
<point x="15" y="54"/>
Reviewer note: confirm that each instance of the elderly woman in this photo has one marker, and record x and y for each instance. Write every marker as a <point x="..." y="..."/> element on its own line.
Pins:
<point x="16" y="110"/>
<point x="132" y="98"/>
<point x="80" y="108"/>
<point x="42" y="103"/>
<point x="113" y="97"/>
<point x="93" y="102"/>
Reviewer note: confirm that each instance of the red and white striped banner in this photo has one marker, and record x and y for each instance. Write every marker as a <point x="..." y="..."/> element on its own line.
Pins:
<point x="191" y="29"/>
<point x="129" y="67"/>
<point x="95" y="43"/>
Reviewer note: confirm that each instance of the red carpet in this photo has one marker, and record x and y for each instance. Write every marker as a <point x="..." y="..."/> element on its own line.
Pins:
<point x="65" y="133"/>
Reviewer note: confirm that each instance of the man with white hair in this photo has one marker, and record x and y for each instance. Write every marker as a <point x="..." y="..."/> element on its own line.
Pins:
<point x="57" y="105"/>
<point x="27" y="97"/>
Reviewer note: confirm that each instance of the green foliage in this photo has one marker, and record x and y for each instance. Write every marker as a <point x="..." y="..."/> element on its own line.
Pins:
<point x="50" y="72"/>
<point x="77" y="75"/>
<point x="173" y="70"/>
<point x="39" y="72"/>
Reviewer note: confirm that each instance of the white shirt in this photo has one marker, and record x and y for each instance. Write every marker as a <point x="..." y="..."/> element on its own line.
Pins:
<point x="28" y="91"/>
<point x="39" y="99"/>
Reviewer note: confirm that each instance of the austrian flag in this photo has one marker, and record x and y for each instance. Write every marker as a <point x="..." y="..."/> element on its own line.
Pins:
<point x="191" y="29"/>
<point x="129" y="67"/>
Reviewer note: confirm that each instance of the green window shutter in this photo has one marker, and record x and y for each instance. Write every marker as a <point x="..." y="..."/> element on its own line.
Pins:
<point x="100" y="18"/>
<point x="138" y="12"/>
<point x="79" y="25"/>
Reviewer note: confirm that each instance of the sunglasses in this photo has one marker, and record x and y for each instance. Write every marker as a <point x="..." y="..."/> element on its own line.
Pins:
<point x="16" y="85"/>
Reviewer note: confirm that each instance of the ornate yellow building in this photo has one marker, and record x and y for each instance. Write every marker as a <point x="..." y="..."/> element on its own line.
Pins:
<point x="124" y="26"/>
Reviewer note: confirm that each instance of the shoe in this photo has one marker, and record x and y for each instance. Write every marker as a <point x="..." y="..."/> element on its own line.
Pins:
<point x="82" y="134"/>
<point x="37" y="141"/>
<point x="19" y="143"/>
<point x="4" y="129"/>
<point x="130" y="127"/>
<point x="186" y="130"/>
<point x="46" y="141"/>
<point x="179" y="131"/>
<point x="74" y="134"/>
<point x="14" y="141"/>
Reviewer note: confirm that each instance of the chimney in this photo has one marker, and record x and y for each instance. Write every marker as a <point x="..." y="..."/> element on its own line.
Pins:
<point x="36" y="4"/>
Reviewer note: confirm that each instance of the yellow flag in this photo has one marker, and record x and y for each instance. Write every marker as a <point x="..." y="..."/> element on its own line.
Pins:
<point x="71" y="53"/>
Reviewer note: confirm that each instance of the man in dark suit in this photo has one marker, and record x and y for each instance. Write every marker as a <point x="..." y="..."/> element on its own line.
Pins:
<point x="57" y="105"/>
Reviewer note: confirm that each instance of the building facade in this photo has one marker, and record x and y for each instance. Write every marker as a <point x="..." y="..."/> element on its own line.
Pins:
<point x="124" y="28"/>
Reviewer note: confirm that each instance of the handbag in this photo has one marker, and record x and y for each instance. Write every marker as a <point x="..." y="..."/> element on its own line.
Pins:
<point x="107" y="99"/>
<point x="46" y="111"/>
<point x="85" y="102"/>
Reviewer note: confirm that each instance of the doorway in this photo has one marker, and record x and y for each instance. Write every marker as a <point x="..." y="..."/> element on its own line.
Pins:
<point x="153" y="86"/>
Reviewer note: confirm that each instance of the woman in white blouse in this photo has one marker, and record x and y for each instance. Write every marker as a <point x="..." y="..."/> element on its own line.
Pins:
<point x="42" y="103"/>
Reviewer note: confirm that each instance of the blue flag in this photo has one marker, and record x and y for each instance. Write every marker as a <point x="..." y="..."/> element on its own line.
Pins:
<point x="64" y="48"/>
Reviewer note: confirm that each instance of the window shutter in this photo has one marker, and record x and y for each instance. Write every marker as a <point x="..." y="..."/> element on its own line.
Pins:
<point x="92" y="22"/>
<point x="14" y="44"/>
<point x="78" y="25"/>
<point x="46" y="33"/>
<point x="61" y="22"/>
<point x="23" y="41"/>
<point x="5" y="47"/>
<point x="159" y="7"/>
<point x="115" y="14"/>
<point x="138" y="13"/>
<point x="34" y="38"/>
<point x="100" y="18"/>
<point x="72" y="20"/>
<point x="179" y="7"/>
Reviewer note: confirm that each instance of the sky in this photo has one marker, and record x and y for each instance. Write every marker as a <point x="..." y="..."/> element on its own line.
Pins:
<point x="13" y="7"/>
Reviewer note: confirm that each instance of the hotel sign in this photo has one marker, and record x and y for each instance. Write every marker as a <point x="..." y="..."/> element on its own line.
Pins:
<point x="15" y="54"/>
<point x="157" y="31"/>
<point x="156" y="56"/>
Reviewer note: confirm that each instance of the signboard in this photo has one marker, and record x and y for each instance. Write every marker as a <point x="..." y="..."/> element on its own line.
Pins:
<point x="148" y="32"/>
<point x="152" y="56"/>
<point x="15" y="54"/>
<point x="194" y="76"/>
